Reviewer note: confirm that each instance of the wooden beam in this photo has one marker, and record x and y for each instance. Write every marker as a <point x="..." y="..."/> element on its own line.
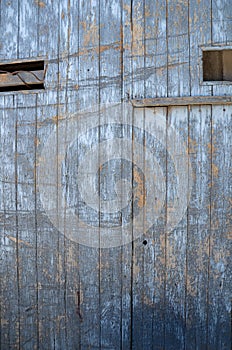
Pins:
<point x="21" y="79"/>
<point x="182" y="101"/>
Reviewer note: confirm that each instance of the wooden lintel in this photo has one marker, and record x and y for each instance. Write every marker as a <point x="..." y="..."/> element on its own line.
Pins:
<point x="182" y="101"/>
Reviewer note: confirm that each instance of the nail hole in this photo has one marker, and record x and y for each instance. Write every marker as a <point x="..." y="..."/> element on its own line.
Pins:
<point x="145" y="242"/>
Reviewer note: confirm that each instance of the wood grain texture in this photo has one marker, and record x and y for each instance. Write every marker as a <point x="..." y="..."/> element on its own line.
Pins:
<point x="89" y="96"/>
<point x="10" y="313"/>
<point x="164" y="290"/>
<point x="219" y="309"/>
<point x="198" y="244"/>
<point x="10" y="24"/>
<point x="155" y="70"/>
<point x="200" y="29"/>
<point x="182" y="101"/>
<point x="221" y="33"/>
<point x="178" y="48"/>
<point x="137" y="23"/>
<point x="21" y="80"/>
<point x="138" y="322"/>
<point x="110" y="89"/>
<point x="26" y="222"/>
<point x="176" y="240"/>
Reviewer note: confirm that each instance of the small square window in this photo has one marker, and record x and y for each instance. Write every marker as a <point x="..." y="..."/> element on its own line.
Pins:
<point x="217" y="65"/>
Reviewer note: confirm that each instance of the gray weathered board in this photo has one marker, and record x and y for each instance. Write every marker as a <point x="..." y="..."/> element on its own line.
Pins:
<point x="173" y="292"/>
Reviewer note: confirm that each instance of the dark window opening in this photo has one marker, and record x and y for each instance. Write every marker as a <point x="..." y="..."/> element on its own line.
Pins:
<point x="22" y="76"/>
<point x="217" y="65"/>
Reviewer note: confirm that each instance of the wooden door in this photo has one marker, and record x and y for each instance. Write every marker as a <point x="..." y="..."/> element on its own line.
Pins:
<point x="146" y="263"/>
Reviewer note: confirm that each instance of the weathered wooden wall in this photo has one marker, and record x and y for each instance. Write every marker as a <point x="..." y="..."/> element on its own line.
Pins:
<point x="174" y="292"/>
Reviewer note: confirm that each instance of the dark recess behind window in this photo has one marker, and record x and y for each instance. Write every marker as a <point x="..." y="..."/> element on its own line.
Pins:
<point x="217" y="65"/>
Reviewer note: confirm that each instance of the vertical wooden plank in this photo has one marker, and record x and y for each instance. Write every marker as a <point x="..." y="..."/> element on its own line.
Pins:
<point x="10" y="313"/>
<point x="89" y="51"/>
<point x="133" y="43"/>
<point x="49" y="260"/>
<point x="89" y="258"/>
<point x="133" y="47"/>
<point x="71" y="55"/>
<point x="155" y="75"/>
<point x="73" y="293"/>
<point x="137" y="288"/>
<point x="50" y="246"/>
<point x="110" y="258"/>
<point x="199" y="35"/>
<point x="110" y="51"/>
<point x="178" y="48"/>
<point x="10" y="316"/>
<point x="198" y="228"/>
<point x="27" y="30"/>
<point x="155" y="249"/>
<point x="9" y="26"/>
<point x="137" y="13"/>
<point x="221" y="22"/>
<point x="221" y="34"/>
<point x="126" y="57"/>
<point x="62" y="96"/>
<point x="47" y="29"/>
<point x="27" y="264"/>
<point x="176" y="241"/>
<point x="126" y="250"/>
<point x="48" y="45"/>
<point x="110" y="91"/>
<point x="110" y="298"/>
<point x="219" y="302"/>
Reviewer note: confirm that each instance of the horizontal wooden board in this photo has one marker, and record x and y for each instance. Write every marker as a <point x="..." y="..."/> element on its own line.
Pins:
<point x="182" y="101"/>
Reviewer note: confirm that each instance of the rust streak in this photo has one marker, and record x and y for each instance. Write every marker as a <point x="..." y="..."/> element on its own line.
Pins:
<point x="40" y="3"/>
<point x="18" y="241"/>
<point x="139" y="191"/>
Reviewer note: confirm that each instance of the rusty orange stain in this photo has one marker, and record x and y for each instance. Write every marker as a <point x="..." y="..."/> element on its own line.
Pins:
<point x="14" y="239"/>
<point x="127" y="8"/>
<point x="36" y="141"/>
<point x="139" y="190"/>
<point x="98" y="49"/>
<point x="91" y="33"/>
<point x="57" y="118"/>
<point x="192" y="145"/>
<point x="215" y="170"/>
<point x="40" y="3"/>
